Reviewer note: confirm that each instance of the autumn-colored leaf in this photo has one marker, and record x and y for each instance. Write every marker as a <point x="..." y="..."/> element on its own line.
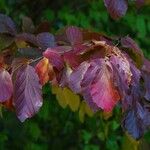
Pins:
<point x="116" y="8"/>
<point x="27" y="93"/>
<point x="44" y="71"/>
<point x="6" y="86"/>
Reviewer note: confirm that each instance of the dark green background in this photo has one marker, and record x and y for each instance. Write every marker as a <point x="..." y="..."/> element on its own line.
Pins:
<point x="54" y="128"/>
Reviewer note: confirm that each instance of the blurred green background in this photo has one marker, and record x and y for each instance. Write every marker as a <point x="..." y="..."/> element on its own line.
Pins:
<point x="54" y="128"/>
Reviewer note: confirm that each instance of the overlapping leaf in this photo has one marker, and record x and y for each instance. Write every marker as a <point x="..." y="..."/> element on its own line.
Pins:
<point x="133" y="49"/>
<point x="44" y="71"/>
<point x="6" y="86"/>
<point x="27" y="93"/>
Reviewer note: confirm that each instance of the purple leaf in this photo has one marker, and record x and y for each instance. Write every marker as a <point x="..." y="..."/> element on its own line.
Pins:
<point x="6" y="86"/>
<point x="116" y="8"/>
<point x="27" y="93"/>
<point x="7" y="25"/>
<point x="133" y="123"/>
<point x="45" y="40"/>
<point x="54" y="58"/>
<point x="134" y="50"/>
<point x="146" y="77"/>
<point x="77" y="76"/>
<point x="137" y="119"/>
<point x="74" y="35"/>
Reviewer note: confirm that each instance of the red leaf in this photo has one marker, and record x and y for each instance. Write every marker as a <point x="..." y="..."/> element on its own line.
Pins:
<point x="6" y="86"/>
<point x="102" y="90"/>
<point x="27" y="93"/>
<point x="44" y="71"/>
<point x="116" y="8"/>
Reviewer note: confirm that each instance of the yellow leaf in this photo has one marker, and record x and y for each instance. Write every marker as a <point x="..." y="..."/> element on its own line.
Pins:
<point x="60" y="96"/>
<point x="66" y="97"/>
<point x="21" y="44"/>
<point x="129" y="143"/>
<point x="72" y="99"/>
<point x="82" y="111"/>
<point x="88" y="110"/>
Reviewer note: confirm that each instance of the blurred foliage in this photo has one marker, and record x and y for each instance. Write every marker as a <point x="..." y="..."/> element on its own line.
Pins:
<point x="56" y="128"/>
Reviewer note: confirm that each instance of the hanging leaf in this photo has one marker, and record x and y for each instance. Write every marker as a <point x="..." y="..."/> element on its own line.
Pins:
<point x="77" y="76"/>
<point x="27" y="93"/>
<point x="133" y="50"/>
<point x="116" y="8"/>
<point x="58" y="91"/>
<point x="72" y="99"/>
<point x="82" y="111"/>
<point x="102" y="91"/>
<point x="44" y="71"/>
<point x="6" y="86"/>
<point x="66" y="97"/>
<point x="7" y="25"/>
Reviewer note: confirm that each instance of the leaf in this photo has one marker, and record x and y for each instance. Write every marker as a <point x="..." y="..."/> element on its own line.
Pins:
<point x="77" y="76"/>
<point x="6" y="85"/>
<point x="45" y="40"/>
<point x="44" y="71"/>
<point x="136" y="120"/>
<point x="54" y="58"/>
<point x="133" y="122"/>
<point x="116" y="8"/>
<point x="89" y="111"/>
<point x="27" y="25"/>
<point x="134" y="50"/>
<point x="5" y="41"/>
<point x="82" y="111"/>
<point x="146" y="78"/>
<point x="74" y="35"/>
<point x="66" y="97"/>
<point x="58" y="91"/>
<point x="27" y="93"/>
<point x="122" y="75"/>
<point x="72" y="99"/>
<point x="7" y="25"/>
<point x="102" y="90"/>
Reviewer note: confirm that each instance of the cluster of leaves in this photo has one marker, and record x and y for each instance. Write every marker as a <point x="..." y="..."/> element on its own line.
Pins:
<point x="90" y="64"/>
